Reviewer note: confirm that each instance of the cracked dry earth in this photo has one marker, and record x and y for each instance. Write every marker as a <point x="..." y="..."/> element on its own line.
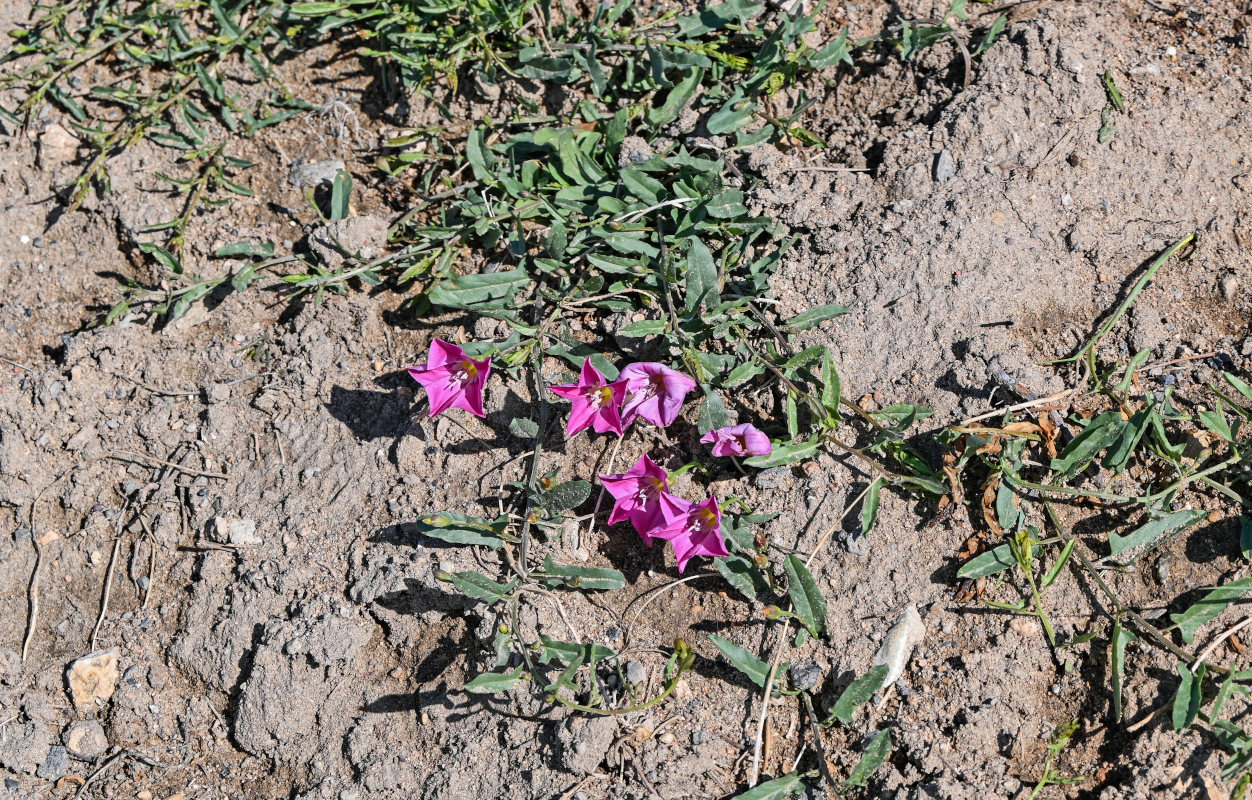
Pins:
<point x="274" y="627"/>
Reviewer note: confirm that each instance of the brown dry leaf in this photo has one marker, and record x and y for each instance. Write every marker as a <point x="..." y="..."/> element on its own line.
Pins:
<point x="1049" y="430"/>
<point x="1021" y="427"/>
<point x="989" y="504"/>
<point x="990" y="448"/>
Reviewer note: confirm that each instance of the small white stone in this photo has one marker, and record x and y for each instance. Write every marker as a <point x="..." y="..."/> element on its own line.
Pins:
<point x="1066" y="200"/>
<point x="1171" y="51"/>
<point x="24" y="239"/>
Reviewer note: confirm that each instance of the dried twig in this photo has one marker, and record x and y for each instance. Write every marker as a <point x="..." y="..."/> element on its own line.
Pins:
<point x="147" y="460"/>
<point x="1040" y="401"/>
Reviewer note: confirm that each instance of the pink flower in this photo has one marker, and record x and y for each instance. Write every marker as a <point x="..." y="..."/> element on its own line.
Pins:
<point x="637" y="495"/>
<point x="738" y="440"/>
<point x="452" y="379"/>
<point x="596" y="402"/>
<point x="693" y="529"/>
<point x="656" y="393"/>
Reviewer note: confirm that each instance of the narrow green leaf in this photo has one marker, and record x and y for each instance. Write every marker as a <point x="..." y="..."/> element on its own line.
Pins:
<point x="806" y="598"/>
<point x="165" y="257"/>
<point x="340" y="195"/>
<point x="988" y="563"/>
<point x="1055" y="572"/>
<point x="479" y="290"/>
<point x="869" y="510"/>
<point x="1101" y="432"/>
<point x="832" y="386"/>
<point x="1153" y="534"/>
<point x="1121" y="637"/>
<point x="858" y="693"/>
<point x="751" y="666"/>
<point x="573" y="577"/>
<point x="777" y="789"/>
<point x="815" y="316"/>
<point x="1245" y="536"/>
<point x="1209" y="607"/>
<point x="480" y="587"/>
<point x="462" y="529"/>
<point x="254" y="249"/>
<point x="1189" y="696"/>
<point x="491" y="682"/>
<point x="701" y="278"/>
<point x="642" y="328"/>
<point x="783" y="454"/>
<point x="481" y="160"/>
<point x="871" y="760"/>
<point x="989" y="38"/>
<point x="742" y="374"/>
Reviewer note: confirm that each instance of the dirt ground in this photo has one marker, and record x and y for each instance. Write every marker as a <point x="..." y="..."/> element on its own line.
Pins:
<point x="278" y="626"/>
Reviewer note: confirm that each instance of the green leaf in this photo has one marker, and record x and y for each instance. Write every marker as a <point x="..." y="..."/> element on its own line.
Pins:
<point x="869" y="511"/>
<point x="571" y="577"/>
<point x="1209" y="607"/>
<point x="1239" y="385"/>
<point x="742" y="374"/>
<point x="1115" y="95"/>
<point x="642" y="328"/>
<point x="871" y="760"/>
<point x="989" y="38"/>
<point x="1245" y="536"/>
<point x="712" y="412"/>
<point x="832" y="386"/>
<point x="727" y="205"/>
<point x="481" y="160"/>
<point x="481" y="290"/>
<point x="858" y="693"/>
<point x="462" y="529"/>
<point x="676" y="100"/>
<point x="1216" y="422"/>
<point x="783" y="454"/>
<point x="1101" y="432"/>
<point x="1189" y="696"/>
<point x="701" y="279"/>
<point x="569" y="494"/>
<point x="743" y="575"/>
<point x="524" y="428"/>
<point x="988" y="563"/>
<point x="1066" y="552"/>
<point x="642" y="185"/>
<point x="480" y="587"/>
<point x="833" y="53"/>
<point x="252" y="249"/>
<point x="1121" y="637"/>
<point x="733" y="114"/>
<point x="806" y="598"/>
<point x="776" y="789"/>
<point x="491" y="682"/>
<point x="165" y="257"/>
<point x="1154" y="533"/>
<point x="340" y="195"/>
<point x="751" y="666"/>
<point x="558" y="239"/>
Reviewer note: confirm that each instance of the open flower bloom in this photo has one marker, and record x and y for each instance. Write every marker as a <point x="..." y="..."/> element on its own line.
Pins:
<point x="596" y="402"/>
<point x="452" y="379"/>
<point x="655" y="392"/>
<point x="637" y="495"/>
<point x="738" y="440"/>
<point x="694" y="529"/>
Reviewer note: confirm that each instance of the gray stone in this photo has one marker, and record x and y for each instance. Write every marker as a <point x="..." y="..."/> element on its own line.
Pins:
<point x="55" y="765"/>
<point x="234" y="531"/>
<point x="1228" y="285"/>
<point x="945" y="168"/>
<point x="314" y="173"/>
<point x="635" y="673"/>
<point x="805" y="675"/>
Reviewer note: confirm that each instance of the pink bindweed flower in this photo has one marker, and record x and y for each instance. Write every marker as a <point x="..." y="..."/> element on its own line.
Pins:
<point x="596" y="402"/>
<point x="694" y="529"/>
<point x="637" y="495"/>
<point x="452" y="379"/>
<point x="738" y="440"/>
<point x="656" y="393"/>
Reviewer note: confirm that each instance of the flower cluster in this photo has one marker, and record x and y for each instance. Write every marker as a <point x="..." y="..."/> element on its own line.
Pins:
<point x="641" y="495"/>
<point x="648" y="390"/>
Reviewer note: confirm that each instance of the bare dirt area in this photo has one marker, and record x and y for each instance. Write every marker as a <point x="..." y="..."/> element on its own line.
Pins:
<point x="212" y="573"/>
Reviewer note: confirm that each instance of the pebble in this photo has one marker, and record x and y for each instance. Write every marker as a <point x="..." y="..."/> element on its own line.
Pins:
<point x="86" y="739"/>
<point x="314" y="173"/>
<point x="93" y="679"/>
<point x="805" y="675"/>
<point x="698" y="737"/>
<point x="945" y="169"/>
<point x="898" y="644"/>
<point x="635" y="673"/>
<point x="55" y="765"/>
<point x="1228" y="286"/>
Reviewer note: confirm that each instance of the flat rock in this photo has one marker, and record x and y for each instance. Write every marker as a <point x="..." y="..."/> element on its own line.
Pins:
<point x="237" y="532"/>
<point x="86" y="740"/>
<point x="314" y="173"/>
<point x="93" y="678"/>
